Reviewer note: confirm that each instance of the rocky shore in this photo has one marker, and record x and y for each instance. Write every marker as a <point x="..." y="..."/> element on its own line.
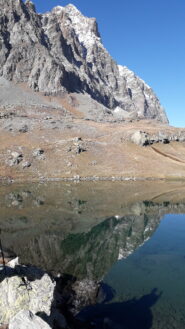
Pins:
<point x="32" y="298"/>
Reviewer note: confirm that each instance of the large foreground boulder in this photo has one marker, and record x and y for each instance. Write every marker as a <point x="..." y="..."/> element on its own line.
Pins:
<point x="24" y="288"/>
<point x="27" y="320"/>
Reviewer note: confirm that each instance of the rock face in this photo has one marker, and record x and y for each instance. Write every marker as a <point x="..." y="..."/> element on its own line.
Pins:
<point x="26" y="319"/>
<point x="61" y="51"/>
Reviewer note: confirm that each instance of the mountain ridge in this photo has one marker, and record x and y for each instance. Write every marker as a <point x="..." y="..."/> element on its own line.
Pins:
<point x="61" y="51"/>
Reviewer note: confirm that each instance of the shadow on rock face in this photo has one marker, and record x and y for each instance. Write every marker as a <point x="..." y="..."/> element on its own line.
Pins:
<point x="132" y="314"/>
<point x="28" y="273"/>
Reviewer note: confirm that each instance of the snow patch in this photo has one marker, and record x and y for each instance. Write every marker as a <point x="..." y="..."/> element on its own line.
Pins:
<point x="57" y="9"/>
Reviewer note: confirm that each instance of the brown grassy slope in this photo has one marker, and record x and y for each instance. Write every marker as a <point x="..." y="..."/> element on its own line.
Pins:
<point x="55" y="123"/>
<point x="108" y="151"/>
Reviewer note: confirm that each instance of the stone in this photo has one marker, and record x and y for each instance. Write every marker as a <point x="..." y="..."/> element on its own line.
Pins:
<point x="23" y="129"/>
<point x="38" y="152"/>
<point x="69" y="164"/>
<point x="15" y="159"/>
<point x="38" y="202"/>
<point x="24" y="288"/>
<point x="26" y="164"/>
<point x="25" y="319"/>
<point x="140" y="138"/>
<point x="76" y="177"/>
<point x="93" y="163"/>
<point x="77" y="139"/>
<point x="163" y="138"/>
<point x="80" y="148"/>
<point x="69" y="149"/>
<point x="14" y="262"/>
<point x="48" y="118"/>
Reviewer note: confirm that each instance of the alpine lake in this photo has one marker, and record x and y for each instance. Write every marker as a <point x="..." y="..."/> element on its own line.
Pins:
<point x="128" y="238"/>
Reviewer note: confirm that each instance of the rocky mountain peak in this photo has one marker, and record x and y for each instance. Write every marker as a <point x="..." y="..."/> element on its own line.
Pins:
<point x="61" y="52"/>
<point x="84" y="28"/>
<point x="30" y="5"/>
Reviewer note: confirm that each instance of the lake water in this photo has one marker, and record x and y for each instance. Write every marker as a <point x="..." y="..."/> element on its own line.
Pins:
<point x="130" y="236"/>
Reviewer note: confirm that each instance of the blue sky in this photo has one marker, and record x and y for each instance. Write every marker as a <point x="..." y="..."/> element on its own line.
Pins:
<point x="148" y="36"/>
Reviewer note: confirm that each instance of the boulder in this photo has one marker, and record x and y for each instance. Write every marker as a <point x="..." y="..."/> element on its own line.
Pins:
<point x="27" y="320"/>
<point x="23" y="129"/>
<point x="38" y="153"/>
<point x="24" y="288"/>
<point x="140" y="138"/>
<point x="26" y="164"/>
<point x="16" y="158"/>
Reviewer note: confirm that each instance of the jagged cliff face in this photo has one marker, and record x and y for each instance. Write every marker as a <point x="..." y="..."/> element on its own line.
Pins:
<point x="61" y="51"/>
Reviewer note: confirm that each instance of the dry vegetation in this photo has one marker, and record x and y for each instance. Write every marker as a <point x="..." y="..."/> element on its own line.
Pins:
<point x="76" y="147"/>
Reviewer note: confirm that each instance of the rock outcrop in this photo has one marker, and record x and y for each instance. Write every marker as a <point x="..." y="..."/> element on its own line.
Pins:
<point x="61" y="51"/>
<point x="143" y="139"/>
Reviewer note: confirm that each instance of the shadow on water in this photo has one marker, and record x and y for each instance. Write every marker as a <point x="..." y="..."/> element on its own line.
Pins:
<point x="132" y="314"/>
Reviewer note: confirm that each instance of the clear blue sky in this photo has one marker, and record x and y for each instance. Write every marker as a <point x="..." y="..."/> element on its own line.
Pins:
<point x="148" y="36"/>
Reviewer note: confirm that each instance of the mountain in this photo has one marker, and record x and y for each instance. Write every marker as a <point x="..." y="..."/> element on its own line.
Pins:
<point x="69" y="112"/>
<point x="61" y="52"/>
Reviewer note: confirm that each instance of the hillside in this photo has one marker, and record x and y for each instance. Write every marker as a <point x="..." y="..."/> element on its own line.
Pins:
<point x="68" y="111"/>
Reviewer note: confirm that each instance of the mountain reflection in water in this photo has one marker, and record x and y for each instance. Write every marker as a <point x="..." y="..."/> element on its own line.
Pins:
<point x="83" y="229"/>
<point x="86" y="232"/>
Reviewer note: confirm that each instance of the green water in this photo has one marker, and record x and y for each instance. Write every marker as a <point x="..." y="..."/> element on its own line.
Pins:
<point x="149" y="286"/>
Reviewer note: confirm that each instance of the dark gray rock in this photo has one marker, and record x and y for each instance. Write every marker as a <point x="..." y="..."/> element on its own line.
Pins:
<point x="61" y="51"/>
<point x="23" y="129"/>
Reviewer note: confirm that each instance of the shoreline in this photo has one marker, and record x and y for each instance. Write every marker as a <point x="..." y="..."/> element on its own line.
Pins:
<point x="76" y="179"/>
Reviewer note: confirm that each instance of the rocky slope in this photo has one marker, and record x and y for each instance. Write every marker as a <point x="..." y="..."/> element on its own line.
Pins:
<point x="61" y="51"/>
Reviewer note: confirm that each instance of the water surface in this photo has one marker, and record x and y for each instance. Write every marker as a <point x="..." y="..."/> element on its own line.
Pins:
<point x="130" y="236"/>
